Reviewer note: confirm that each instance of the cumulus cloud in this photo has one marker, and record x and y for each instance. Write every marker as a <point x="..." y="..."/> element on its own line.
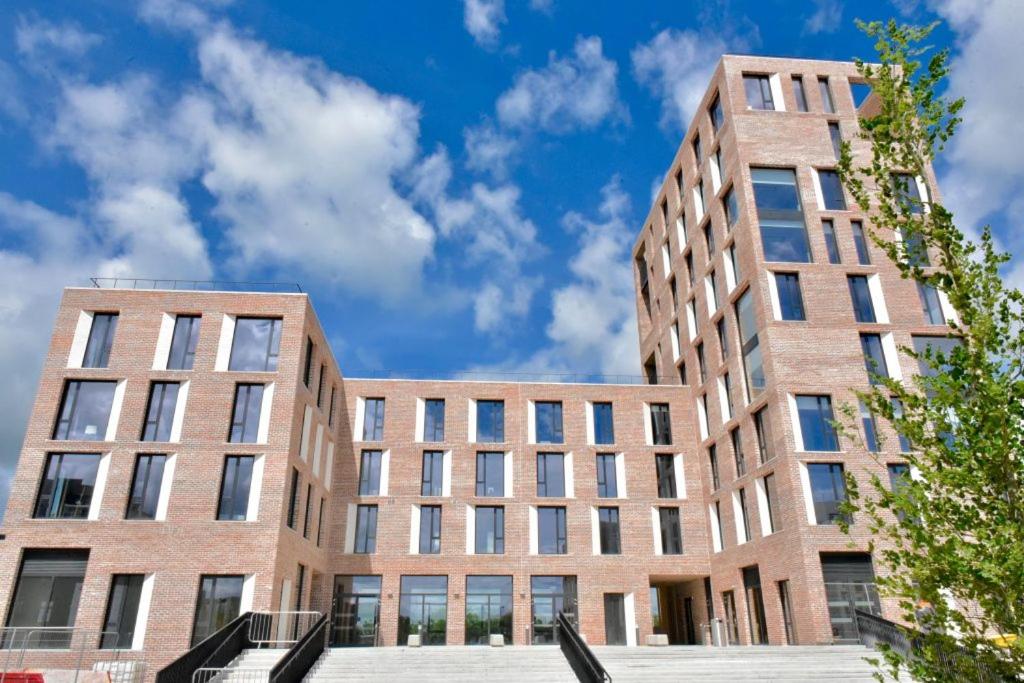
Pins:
<point x="483" y="20"/>
<point x="489" y="150"/>
<point x="40" y="41"/>
<point x="826" y="18"/>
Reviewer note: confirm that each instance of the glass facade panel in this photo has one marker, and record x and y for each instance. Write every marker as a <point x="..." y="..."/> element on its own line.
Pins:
<point x="256" y="344"/>
<point x="369" y="473"/>
<point x="101" y="339"/>
<point x="551" y="532"/>
<point x="759" y="92"/>
<point x="666" y="475"/>
<point x="661" y="424"/>
<point x="488" y="609"/>
<point x="604" y="424"/>
<point x="831" y="190"/>
<point x="828" y="491"/>
<point x="671" y="532"/>
<point x="607" y="478"/>
<point x="433" y="474"/>
<point x="550" y="475"/>
<point x="490" y="421"/>
<point x="548" y="415"/>
<point x="146" y="482"/>
<point x="46" y="595"/>
<point x="816" y="428"/>
<point x="373" y="419"/>
<point x="490" y="530"/>
<point x="219" y="601"/>
<point x="490" y="474"/>
<point x="860" y="295"/>
<point x="69" y="480"/>
<point x="433" y="419"/>
<point x="423" y="609"/>
<point x="184" y="342"/>
<point x="235" y="487"/>
<point x="781" y="215"/>
<point x="430" y="529"/>
<point x="85" y="411"/>
<point x="608" y="530"/>
<point x="245" y="418"/>
<point x="122" y="611"/>
<point x="549" y="596"/>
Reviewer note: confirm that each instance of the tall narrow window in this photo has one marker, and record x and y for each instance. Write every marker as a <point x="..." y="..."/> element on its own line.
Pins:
<point x="867" y="420"/>
<point x="671" y="533"/>
<point x="798" y="93"/>
<point x="551" y="534"/>
<point x="831" y="244"/>
<point x="753" y="365"/>
<point x="716" y="480"/>
<point x="831" y="190"/>
<point x="256" y="344"/>
<point x="245" y="418"/>
<point x="293" y="499"/>
<point x="607" y="478"/>
<point x="184" y="342"/>
<point x="146" y="482"/>
<point x="698" y="152"/>
<point x="69" y="480"/>
<point x="550" y="475"/>
<point x="737" y="272"/>
<point x="723" y="338"/>
<point x="308" y="517"/>
<point x="219" y="601"/>
<point x="101" y="338"/>
<point x="661" y="424"/>
<point x="771" y="497"/>
<point x="490" y="421"/>
<point x="828" y="491"/>
<point x="320" y="387"/>
<point x="860" y="242"/>
<point x="84" y="411"/>
<point x="307" y="371"/>
<point x="836" y="136"/>
<point x="548" y="415"/>
<point x="826" y="95"/>
<point x="744" y="515"/>
<point x="930" y="304"/>
<point x="608" y="530"/>
<point x="897" y="413"/>
<point x="366" y="529"/>
<point x="163" y="397"/>
<point x="373" y="419"/>
<point x="330" y="410"/>
<point x="860" y="295"/>
<point x="320" y="522"/>
<point x="816" y="423"/>
<point x="709" y="240"/>
<point x="730" y="409"/>
<point x="791" y="301"/>
<point x="716" y="114"/>
<point x="433" y="419"/>
<point x="641" y="270"/>
<point x="702" y="366"/>
<point x="234" y="488"/>
<point x="490" y="474"/>
<point x="781" y="215"/>
<point x="874" y="357"/>
<point x="907" y="193"/>
<point x="712" y="291"/>
<point x="759" y="92"/>
<point x="763" y="439"/>
<point x="369" y="473"/>
<point x="787" y="612"/>
<point x="732" y="209"/>
<point x="122" y="611"/>
<point x="430" y="529"/>
<point x="47" y="593"/>
<point x="490" y="530"/>
<point x="737" y="451"/>
<point x="604" y="423"/>
<point x="651" y="370"/>
<point x="433" y="474"/>
<point x="688" y="257"/>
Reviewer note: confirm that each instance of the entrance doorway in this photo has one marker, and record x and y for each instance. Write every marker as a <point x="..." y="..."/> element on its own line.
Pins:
<point x="849" y="585"/>
<point x="423" y="609"/>
<point x="551" y="595"/>
<point x="672" y="614"/>
<point x="614" y="619"/>
<point x="755" y="606"/>
<point x="356" y="619"/>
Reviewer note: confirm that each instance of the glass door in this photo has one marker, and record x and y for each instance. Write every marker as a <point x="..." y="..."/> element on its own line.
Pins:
<point x="356" y="611"/>
<point x="614" y="619"/>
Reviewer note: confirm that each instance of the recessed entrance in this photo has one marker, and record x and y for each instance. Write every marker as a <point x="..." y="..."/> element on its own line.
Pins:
<point x="672" y="613"/>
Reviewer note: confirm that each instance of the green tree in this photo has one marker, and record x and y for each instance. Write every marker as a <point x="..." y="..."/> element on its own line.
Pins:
<point x="951" y="536"/>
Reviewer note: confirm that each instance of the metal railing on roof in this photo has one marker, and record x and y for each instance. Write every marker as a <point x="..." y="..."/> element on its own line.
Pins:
<point x="195" y="285"/>
<point x="502" y="376"/>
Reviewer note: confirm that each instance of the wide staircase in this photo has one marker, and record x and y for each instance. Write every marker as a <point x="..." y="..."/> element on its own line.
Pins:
<point x="251" y="666"/>
<point x="510" y="664"/>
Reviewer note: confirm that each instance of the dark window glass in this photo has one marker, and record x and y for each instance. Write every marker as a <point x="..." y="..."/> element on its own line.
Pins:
<point x="713" y="303"/>
<point x="799" y="94"/>
<point x="307" y="518"/>
<point x="907" y="193"/>
<point x="490" y="474"/>
<point x="716" y="480"/>
<point x="433" y="419"/>
<point x="307" y="371"/>
<point x="373" y="419"/>
<point x="816" y="419"/>
<point x="688" y="257"/>
<point x="671" y="534"/>
<point x="84" y="411"/>
<point x="826" y="95"/>
<point x="791" y="301"/>
<point x="716" y="114"/>
<point x="256" y="344"/>
<point x="861" y="243"/>
<point x="293" y="499"/>
<point x="320" y="522"/>
<point x="702" y="363"/>
<point x="737" y="451"/>
<point x="433" y="474"/>
<point x="732" y="626"/>
<point x="430" y="529"/>
<point x="651" y="370"/>
<point x="604" y="423"/>
<point x="69" y="480"/>
<point x="723" y="338"/>
<point x="369" y="473"/>
<point x="899" y="475"/>
<point x="330" y="410"/>
<point x="366" y="529"/>
<point x="828" y="491"/>
<point x="709" y="240"/>
<point x="860" y="295"/>
<point x="867" y="420"/>
<point x="744" y="515"/>
<point x="488" y="609"/>
<point x="163" y="397"/>
<point x="831" y="243"/>
<point x="836" y="136"/>
<point x="549" y="596"/>
<point x="763" y="435"/>
<point x="550" y="475"/>
<point x="930" y="304"/>
<point x="551" y="531"/>
<point x="46" y="596"/>
<point x="548" y="416"/>
<point x="831" y="190"/>
<point x="234" y="488"/>
<point x="490" y="530"/>
<point x="320" y="387"/>
<point x="698" y="152"/>
<point x="645" y="292"/>
<point x="423" y="609"/>
<point x="732" y="209"/>
<point x="753" y="366"/>
<point x="780" y="215"/>
<point x="101" y="338"/>
<point x="245" y="419"/>
<point x="661" y="424"/>
<point x="666" y="472"/>
<point x="718" y="523"/>
<point x="608" y="530"/>
<point x="897" y="411"/>
<point x="184" y="342"/>
<point x="607" y="478"/>
<point x="727" y="388"/>
<point x="146" y="482"/>
<point x="219" y="601"/>
<point x="122" y="611"/>
<point x="874" y="357"/>
<point x="936" y="347"/>
<point x="771" y="496"/>
<point x="759" y="92"/>
<point x="490" y="421"/>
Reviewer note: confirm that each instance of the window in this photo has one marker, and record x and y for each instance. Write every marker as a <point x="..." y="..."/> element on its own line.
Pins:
<point x="184" y="342"/>
<point x="320" y="387"/>
<point x="815" y="413"/>
<point x="723" y="338"/>
<point x="737" y="274"/>
<point x="791" y="301"/>
<point x="607" y="477"/>
<point x="661" y="427"/>
<point x="860" y="294"/>
<point x="702" y="363"/>
<point x="234" y="487"/>
<point x="726" y="389"/>
<point x="664" y="215"/>
<point x="759" y="92"/>
<point x="698" y="198"/>
<point x="293" y="499"/>
<point x="717" y="171"/>
<point x="366" y="529"/>
<point x="490" y="474"/>
<point x="874" y="357"/>
<point x="641" y="268"/>
<point x="256" y="344"/>
<point x="787" y="612"/>
<point x="831" y="190"/>
<point x="860" y="242"/>
<point x="146" y="483"/>
<point x="682" y="373"/>
<point x="122" y="611"/>
<point x="716" y="114"/>
<point x="836" y="136"/>
<point x="84" y="411"/>
<point x="163" y="397"/>
<point x="69" y="480"/>
<point x="826" y="95"/>
<point x="219" y="601"/>
<point x="764" y="451"/>
<point x="307" y="371"/>
<point x="737" y="452"/>
<point x="373" y="419"/>
<point x="101" y="338"/>
<point x="490" y="421"/>
<point x="330" y="410"/>
<point x="828" y="491"/>
<point x="433" y="419"/>
<point x="548" y="415"/>
<point x="651" y="370"/>
<point x="423" y="609"/>
<point x="867" y="420"/>
<point x="744" y="515"/>
<point x="689" y="267"/>
<point x="604" y="423"/>
<point x="490" y="531"/>
<point x="671" y="534"/>
<point x="488" y="609"/>
<point x="320" y="522"/>
<point x="798" y="93"/>
<point x="550" y="475"/>
<point x="430" y="529"/>
<point x="369" y="473"/>
<point x="674" y="290"/>
<point x="930" y="304"/>
<point x="907" y="193"/>
<point x="712" y="292"/>
<point x="245" y="420"/>
<point x="771" y="495"/>
<point x="780" y="215"/>
<point x="307" y="518"/>
<point x="697" y="150"/>
<point x="551" y="537"/>
<point x="753" y="365"/>
<point x="709" y="240"/>
<point x="433" y="474"/>
<point x="46" y="595"/>
<point x="718" y="526"/>
<point x="899" y="475"/>
<point x="831" y="244"/>
<point x="608" y="530"/>
<point x="716" y="480"/>
<point x="732" y="209"/>
<point x="665" y="469"/>
<point x="897" y="412"/>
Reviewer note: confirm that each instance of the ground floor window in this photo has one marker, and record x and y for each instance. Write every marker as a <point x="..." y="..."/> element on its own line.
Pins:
<point x="423" y="609"/>
<point x="849" y="586"/>
<point x="787" y="612"/>
<point x="488" y="608"/>
<point x="46" y="595"/>
<point x="122" y="611"/>
<point x="732" y="626"/>
<point x="356" y="618"/>
<point x="551" y="595"/>
<point x="219" y="601"/>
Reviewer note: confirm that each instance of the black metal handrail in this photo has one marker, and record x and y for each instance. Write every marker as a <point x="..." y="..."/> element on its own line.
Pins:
<point x="581" y="658"/>
<point x="302" y="655"/>
<point x="217" y="650"/>
<point x="193" y="285"/>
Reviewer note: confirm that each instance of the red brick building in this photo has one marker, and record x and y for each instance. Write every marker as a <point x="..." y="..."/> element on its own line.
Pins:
<point x="191" y="455"/>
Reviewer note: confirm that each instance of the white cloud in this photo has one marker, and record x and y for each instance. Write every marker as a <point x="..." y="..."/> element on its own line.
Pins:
<point x="40" y="41"/>
<point x="572" y="92"/>
<point x="495" y="304"/>
<point x="676" y="67"/>
<point x="542" y="6"/>
<point x="827" y="16"/>
<point x="483" y="20"/>
<point x="488" y="150"/>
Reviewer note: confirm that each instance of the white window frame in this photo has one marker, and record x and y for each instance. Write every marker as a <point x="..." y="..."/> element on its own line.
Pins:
<point x="80" y="340"/>
<point x="227" y="337"/>
<point x="178" y="421"/>
<point x="716" y="529"/>
<point x="656" y="528"/>
<point x="307" y="426"/>
<point x="723" y="400"/>
<point x="163" y="341"/>
<point x="115" y="410"/>
<point x="737" y="513"/>
<point x="763" y="511"/>
<point x="691" y="319"/>
<point x="775" y="84"/>
<point x="100" y="485"/>
<point x="702" y="415"/>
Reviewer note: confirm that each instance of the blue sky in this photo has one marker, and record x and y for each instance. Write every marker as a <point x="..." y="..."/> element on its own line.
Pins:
<point x="456" y="183"/>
